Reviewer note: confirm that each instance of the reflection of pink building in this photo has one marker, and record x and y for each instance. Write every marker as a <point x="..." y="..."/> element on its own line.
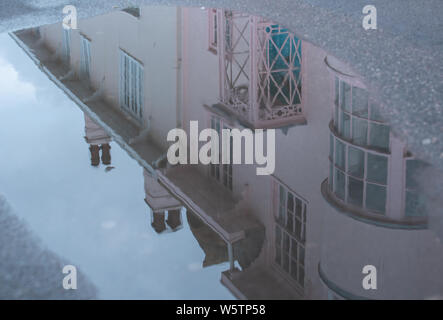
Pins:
<point x="342" y="195"/>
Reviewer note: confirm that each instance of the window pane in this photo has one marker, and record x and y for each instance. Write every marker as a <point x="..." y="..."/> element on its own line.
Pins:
<point x="340" y="154"/>
<point x="285" y="243"/>
<point x="298" y="229"/>
<point x="331" y="146"/>
<point x="294" y="250"/>
<point x="375" y="114"/>
<point x="290" y="221"/>
<point x="301" y="255"/>
<point x="377" y="168"/>
<point x="298" y="207"/>
<point x="375" y="198"/>
<point x="359" y="131"/>
<point x="355" y="191"/>
<point x="285" y="262"/>
<point x="339" y="184"/>
<point x="331" y="170"/>
<point x="277" y="235"/>
<point x="415" y="204"/>
<point x="337" y="85"/>
<point x="345" y="125"/>
<point x="413" y="168"/>
<point x="278" y="255"/>
<point x="379" y="136"/>
<point x="359" y="102"/>
<point x="301" y="275"/>
<point x="356" y="162"/>
<point x="346" y="96"/>
<point x="294" y="270"/>
<point x="290" y="202"/>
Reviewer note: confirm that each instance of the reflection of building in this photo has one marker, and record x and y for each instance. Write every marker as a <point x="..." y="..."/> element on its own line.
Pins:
<point x="293" y="234"/>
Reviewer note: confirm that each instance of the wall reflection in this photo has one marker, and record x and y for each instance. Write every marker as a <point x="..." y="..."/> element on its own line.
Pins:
<point x="343" y="193"/>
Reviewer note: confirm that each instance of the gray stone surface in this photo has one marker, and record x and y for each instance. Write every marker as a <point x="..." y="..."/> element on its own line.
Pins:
<point x="27" y="269"/>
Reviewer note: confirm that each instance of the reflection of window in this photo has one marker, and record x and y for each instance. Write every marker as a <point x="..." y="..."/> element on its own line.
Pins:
<point x="85" y="61"/>
<point x="356" y="118"/>
<point x="262" y="69"/>
<point x="222" y="172"/>
<point x="290" y="234"/>
<point x="66" y="45"/>
<point x="415" y="202"/>
<point x="131" y="84"/>
<point x="213" y="29"/>
<point x="358" y="176"/>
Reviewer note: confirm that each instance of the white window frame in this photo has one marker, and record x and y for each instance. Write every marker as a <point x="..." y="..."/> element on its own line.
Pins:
<point x="222" y="173"/>
<point x="66" y="45"/>
<point x="213" y="26"/>
<point x="85" y="57"/>
<point x="131" y="85"/>
<point x="299" y="241"/>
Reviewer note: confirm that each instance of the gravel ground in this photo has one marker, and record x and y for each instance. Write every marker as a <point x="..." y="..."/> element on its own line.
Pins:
<point x="27" y="269"/>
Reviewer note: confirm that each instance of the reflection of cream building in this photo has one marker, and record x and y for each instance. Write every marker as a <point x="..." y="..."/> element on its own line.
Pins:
<point x="307" y="230"/>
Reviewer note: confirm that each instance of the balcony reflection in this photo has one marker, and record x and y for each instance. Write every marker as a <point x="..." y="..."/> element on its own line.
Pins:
<point x="343" y="193"/>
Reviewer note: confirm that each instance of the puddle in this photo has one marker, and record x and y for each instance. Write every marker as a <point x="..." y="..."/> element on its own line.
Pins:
<point x="85" y="115"/>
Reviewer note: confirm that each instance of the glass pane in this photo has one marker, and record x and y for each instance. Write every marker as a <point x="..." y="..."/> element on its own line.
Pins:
<point x="278" y="255"/>
<point x="345" y="125"/>
<point x="290" y="202"/>
<point x="355" y="191"/>
<point x="331" y="146"/>
<point x="294" y="250"/>
<point x="298" y="207"/>
<point x="415" y="204"/>
<point x="340" y="154"/>
<point x="375" y="114"/>
<point x="379" y="136"/>
<point x="290" y="221"/>
<point x="345" y="96"/>
<point x="301" y="275"/>
<point x="377" y="168"/>
<point x="301" y="255"/>
<point x="294" y="269"/>
<point x="359" y="131"/>
<point x="339" y="184"/>
<point x="285" y="262"/>
<point x="356" y="162"/>
<point x="337" y="85"/>
<point x="277" y="235"/>
<point x="359" y="102"/>
<point x="413" y="168"/>
<point x="375" y="198"/>
<point x="298" y="229"/>
<point x="331" y="168"/>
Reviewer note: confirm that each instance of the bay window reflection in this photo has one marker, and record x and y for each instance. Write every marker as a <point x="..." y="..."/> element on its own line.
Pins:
<point x="358" y="176"/>
<point x="356" y="118"/>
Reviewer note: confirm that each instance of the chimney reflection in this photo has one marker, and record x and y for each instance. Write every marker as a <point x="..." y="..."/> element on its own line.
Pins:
<point x="98" y="140"/>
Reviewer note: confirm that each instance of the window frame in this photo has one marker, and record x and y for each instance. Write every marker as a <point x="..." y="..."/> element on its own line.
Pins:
<point x="278" y="249"/>
<point x="222" y="173"/>
<point x="85" y="56"/>
<point x="128" y="93"/>
<point x="213" y="30"/>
